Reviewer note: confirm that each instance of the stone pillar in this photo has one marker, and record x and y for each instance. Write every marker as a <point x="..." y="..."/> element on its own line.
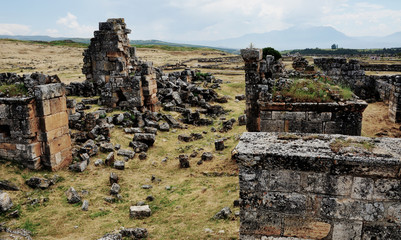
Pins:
<point x="53" y="133"/>
<point x="252" y="58"/>
<point x="395" y="101"/>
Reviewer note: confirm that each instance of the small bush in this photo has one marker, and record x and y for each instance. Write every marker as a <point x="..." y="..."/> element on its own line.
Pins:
<point x="271" y="51"/>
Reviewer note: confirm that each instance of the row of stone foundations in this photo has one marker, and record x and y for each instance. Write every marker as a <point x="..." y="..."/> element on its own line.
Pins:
<point x="268" y="116"/>
<point x="351" y="73"/>
<point x="306" y="186"/>
<point x="34" y="130"/>
<point x="113" y="71"/>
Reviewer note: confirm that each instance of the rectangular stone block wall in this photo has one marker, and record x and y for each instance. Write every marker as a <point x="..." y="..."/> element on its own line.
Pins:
<point x="310" y="187"/>
<point x="34" y="131"/>
<point x="18" y="131"/>
<point x="329" y="118"/>
<point x="53" y="123"/>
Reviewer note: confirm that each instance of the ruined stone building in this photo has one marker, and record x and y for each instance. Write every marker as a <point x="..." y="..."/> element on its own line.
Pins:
<point x="351" y="73"/>
<point x="266" y="115"/>
<point x="113" y="71"/>
<point x="34" y="128"/>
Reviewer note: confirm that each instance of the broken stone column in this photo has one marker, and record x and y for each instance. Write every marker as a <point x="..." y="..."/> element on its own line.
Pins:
<point x="252" y="58"/>
<point x="53" y="125"/>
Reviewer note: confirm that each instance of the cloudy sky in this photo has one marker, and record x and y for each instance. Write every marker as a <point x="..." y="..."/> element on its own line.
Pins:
<point x="196" y="20"/>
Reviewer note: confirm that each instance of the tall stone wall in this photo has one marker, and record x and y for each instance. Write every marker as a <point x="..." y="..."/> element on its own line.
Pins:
<point x="302" y="186"/>
<point x="113" y="71"/>
<point x="34" y="130"/>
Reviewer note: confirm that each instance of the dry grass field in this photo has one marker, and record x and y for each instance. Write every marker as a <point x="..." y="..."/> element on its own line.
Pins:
<point x="196" y="194"/>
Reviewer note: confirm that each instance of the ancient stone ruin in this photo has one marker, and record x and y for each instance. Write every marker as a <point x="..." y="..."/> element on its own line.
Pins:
<point x="34" y="127"/>
<point x="372" y="88"/>
<point x="267" y="113"/>
<point x="305" y="186"/>
<point x="113" y="71"/>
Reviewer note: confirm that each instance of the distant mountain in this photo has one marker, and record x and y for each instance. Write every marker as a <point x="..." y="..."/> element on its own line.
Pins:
<point x="133" y="42"/>
<point x="306" y="37"/>
<point x="291" y="38"/>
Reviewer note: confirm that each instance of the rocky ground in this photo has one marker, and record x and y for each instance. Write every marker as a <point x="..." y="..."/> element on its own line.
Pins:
<point x="190" y="187"/>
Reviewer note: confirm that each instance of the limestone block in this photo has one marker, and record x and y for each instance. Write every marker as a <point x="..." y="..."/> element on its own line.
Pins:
<point x="306" y="229"/>
<point x="139" y="212"/>
<point x="347" y="230"/>
<point x="48" y="91"/>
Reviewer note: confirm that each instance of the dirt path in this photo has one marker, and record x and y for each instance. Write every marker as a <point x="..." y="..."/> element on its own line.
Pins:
<point x="376" y="122"/>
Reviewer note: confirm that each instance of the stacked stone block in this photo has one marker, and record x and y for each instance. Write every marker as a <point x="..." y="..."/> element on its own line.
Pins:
<point x="111" y="66"/>
<point x="34" y="130"/>
<point x="53" y="124"/>
<point x="297" y="186"/>
<point x="329" y="118"/>
<point x="252" y="58"/>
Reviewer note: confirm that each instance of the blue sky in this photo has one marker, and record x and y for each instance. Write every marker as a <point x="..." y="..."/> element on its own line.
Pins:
<point x="197" y="20"/>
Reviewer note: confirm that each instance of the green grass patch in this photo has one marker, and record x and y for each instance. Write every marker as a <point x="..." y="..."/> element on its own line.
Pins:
<point x="30" y="226"/>
<point x="338" y="144"/>
<point x="13" y="90"/>
<point x="304" y="90"/>
<point x="173" y="48"/>
<point x="99" y="214"/>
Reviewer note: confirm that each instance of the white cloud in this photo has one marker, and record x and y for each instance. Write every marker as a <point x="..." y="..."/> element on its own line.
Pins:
<point x="14" y="29"/>
<point x="71" y="22"/>
<point x="52" y="32"/>
<point x="364" y="19"/>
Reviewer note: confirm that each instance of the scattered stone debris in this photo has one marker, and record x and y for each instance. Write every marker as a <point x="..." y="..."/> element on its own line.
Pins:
<point x="112" y="236"/>
<point x="120" y="165"/>
<point x="85" y="205"/>
<point x="72" y="196"/>
<point x="36" y="182"/>
<point x="219" y="144"/>
<point x="139" y="212"/>
<point x="184" y="163"/>
<point x="7" y="185"/>
<point x="223" y="213"/>
<point x="115" y="189"/>
<point x="207" y="156"/>
<point x="5" y="202"/>
<point x="134" y="233"/>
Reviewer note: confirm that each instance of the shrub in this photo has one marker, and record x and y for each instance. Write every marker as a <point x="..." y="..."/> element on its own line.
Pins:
<point x="271" y="51"/>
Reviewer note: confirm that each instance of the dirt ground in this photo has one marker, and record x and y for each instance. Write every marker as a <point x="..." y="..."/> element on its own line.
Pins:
<point x="376" y="122"/>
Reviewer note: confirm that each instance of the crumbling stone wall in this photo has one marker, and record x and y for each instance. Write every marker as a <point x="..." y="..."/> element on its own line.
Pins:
<point x="113" y="71"/>
<point x="381" y="67"/>
<point x="34" y="129"/>
<point x="329" y="118"/>
<point x="318" y="186"/>
<point x="267" y="115"/>
<point x="351" y="74"/>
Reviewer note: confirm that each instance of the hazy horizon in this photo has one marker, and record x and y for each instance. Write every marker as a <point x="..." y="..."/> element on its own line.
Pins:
<point x="201" y="20"/>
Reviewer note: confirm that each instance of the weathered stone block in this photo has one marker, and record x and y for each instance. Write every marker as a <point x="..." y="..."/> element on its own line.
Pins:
<point x="362" y="188"/>
<point x="140" y="212"/>
<point x="306" y="228"/>
<point x="272" y="125"/>
<point x="347" y="230"/>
